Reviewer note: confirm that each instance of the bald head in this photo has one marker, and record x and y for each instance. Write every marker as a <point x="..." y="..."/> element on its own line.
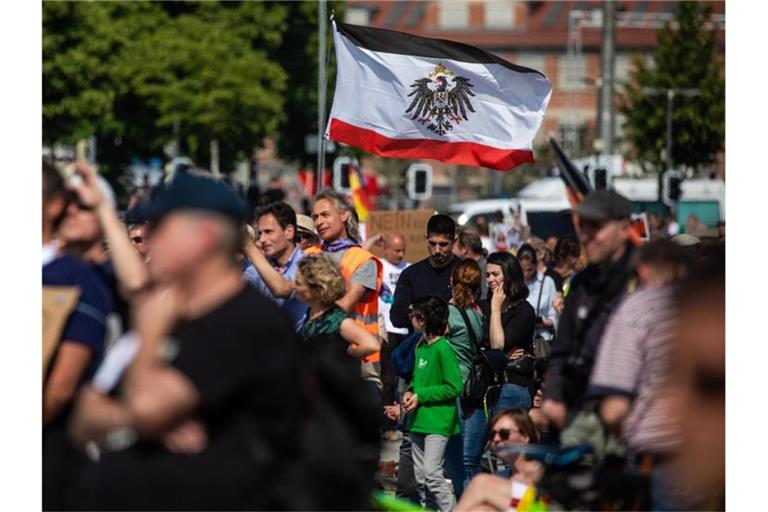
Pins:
<point x="394" y="248"/>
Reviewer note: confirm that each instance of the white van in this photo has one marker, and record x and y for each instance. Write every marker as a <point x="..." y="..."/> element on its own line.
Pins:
<point x="543" y="205"/>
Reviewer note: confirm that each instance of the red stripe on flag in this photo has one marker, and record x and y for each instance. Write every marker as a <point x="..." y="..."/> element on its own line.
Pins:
<point x="464" y="153"/>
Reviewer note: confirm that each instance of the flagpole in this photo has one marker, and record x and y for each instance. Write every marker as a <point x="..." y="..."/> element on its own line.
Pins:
<point x="321" y="92"/>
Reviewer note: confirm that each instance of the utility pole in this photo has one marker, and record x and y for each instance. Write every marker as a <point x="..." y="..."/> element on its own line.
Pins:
<point x="608" y="65"/>
<point x="321" y="83"/>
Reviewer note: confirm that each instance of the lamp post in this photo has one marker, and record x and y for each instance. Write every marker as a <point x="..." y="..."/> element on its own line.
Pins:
<point x="670" y="93"/>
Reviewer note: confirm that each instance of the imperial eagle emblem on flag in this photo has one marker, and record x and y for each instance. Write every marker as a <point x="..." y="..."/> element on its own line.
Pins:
<point x="400" y="95"/>
<point x="440" y="103"/>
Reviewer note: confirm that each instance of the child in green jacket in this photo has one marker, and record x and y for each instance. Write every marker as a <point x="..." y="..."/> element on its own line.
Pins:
<point x="431" y="398"/>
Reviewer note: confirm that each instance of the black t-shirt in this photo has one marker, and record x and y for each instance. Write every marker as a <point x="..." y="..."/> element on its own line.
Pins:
<point x="518" y="323"/>
<point x="243" y="361"/>
<point x="557" y="278"/>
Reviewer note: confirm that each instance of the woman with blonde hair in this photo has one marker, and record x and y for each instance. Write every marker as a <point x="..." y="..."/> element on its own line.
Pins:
<point x="319" y="284"/>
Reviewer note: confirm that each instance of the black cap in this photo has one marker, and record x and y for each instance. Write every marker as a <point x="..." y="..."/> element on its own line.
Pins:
<point x="604" y="205"/>
<point x="189" y="191"/>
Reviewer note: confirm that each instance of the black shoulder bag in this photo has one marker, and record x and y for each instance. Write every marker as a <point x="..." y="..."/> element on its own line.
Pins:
<point x="486" y="375"/>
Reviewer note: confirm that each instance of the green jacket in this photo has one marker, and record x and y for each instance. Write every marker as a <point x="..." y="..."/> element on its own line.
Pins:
<point x="437" y="382"/>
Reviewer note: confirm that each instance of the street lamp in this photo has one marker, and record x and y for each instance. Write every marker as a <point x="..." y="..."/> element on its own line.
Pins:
<point x="671" y="93"/>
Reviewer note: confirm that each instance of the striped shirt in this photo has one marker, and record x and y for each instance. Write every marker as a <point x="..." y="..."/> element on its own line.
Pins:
<point x="632" y="361"/>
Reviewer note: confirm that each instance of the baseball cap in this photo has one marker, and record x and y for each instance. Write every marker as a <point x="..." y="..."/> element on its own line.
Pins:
<point x="604" y="205"/>
<point x="190" y="191"/>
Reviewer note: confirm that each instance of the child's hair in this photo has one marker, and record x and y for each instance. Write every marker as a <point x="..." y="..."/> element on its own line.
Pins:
<point x="323" y="275"/>
<point x="433" y="311"/>
<point x="465" y="281"/>
<point x="522" y="421"/>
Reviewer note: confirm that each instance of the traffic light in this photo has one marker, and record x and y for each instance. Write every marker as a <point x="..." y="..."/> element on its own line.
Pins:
<point x="600" y="179"/>
<point x="419" y="181"/>
<point x="673" y="187"/>
<point x="341" y="173"/>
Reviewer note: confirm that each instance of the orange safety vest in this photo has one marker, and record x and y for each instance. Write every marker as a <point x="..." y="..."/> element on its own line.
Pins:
<point x="366" y="311"/>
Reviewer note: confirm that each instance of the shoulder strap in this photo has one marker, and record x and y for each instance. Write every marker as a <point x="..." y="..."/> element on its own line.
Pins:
<point x="541" y="289"/>
<point x="470" y="331"/>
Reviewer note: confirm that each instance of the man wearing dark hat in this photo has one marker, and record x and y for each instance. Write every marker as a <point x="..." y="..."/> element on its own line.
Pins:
<point x="207" y="414"/>
<point x="604" y="231"/>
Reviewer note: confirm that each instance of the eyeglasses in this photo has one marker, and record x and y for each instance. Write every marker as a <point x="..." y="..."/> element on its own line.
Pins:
<point x="503" y="433"/>
<point x="137" y="239"/>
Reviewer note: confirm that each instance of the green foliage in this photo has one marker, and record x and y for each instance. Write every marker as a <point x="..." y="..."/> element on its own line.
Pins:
<point x="140" y="74"/>
<point x="686" y="57"/>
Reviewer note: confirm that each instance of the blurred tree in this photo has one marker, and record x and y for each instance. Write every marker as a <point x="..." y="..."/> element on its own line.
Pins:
<point x="686" y="57"/>
<point x="298" y="54"/>
<point x="129" y="72"/>
<point x="208" y="72"/>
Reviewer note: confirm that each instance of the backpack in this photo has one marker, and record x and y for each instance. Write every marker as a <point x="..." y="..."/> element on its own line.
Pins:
<point x="486" y="375"/>
<point x="404" y="356"/>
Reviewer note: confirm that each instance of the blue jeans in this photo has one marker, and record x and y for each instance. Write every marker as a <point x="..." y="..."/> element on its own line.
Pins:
<point x="476" y="427"/>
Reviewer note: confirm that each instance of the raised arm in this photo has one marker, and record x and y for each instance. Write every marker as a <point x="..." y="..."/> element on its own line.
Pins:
<point x="279" y="286"/>
<point x="132" y="274"/>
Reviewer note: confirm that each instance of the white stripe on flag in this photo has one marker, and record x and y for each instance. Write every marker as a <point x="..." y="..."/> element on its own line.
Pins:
<point x="372" y="93"/>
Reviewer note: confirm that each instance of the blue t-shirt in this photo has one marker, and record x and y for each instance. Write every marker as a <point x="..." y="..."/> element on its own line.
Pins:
<point x="295" y="309"/>
<point x="87" y="323"/>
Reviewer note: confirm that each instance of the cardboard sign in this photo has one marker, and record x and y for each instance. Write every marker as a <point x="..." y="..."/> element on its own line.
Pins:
<point x="58" y="304"/>
<point x="411" y="224"/>
<point x="639" y="224"/>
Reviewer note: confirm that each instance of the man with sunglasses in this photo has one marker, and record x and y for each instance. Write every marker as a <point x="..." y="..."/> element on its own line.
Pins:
<point x="604" y="230"/>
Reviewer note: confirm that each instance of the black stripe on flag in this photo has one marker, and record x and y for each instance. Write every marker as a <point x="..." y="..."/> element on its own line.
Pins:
<point x="400" y="43"/>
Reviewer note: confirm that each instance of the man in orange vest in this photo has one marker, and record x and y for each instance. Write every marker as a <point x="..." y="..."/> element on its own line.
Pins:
<point x="336" y="225"/>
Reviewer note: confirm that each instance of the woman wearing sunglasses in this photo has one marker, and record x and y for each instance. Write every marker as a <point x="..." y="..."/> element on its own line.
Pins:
<point x="504" y="491"/>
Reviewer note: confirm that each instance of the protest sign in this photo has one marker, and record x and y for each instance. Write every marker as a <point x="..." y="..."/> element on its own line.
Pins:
<point x="411" y="224"/>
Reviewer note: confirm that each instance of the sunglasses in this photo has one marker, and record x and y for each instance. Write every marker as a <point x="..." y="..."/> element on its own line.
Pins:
<point x="503" y="433"/>
<point x="413" y="314"/>
<point x="75" y="199"/>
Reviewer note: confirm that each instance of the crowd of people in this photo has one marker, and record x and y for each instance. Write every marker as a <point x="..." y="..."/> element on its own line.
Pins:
<point x="216" y="357"/>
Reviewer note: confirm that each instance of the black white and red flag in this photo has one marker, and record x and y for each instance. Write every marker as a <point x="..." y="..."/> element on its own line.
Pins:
<point x="405" y="96"/>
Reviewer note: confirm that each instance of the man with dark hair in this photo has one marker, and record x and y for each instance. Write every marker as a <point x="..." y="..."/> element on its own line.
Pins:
<point x="595" y="292"/>
<point x="430" y="276"/>
<point x="274" y="265"/>
<point x="469" y="245"/>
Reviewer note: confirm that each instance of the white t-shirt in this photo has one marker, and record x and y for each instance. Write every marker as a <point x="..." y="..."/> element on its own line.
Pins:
<point x="390" y="275"/>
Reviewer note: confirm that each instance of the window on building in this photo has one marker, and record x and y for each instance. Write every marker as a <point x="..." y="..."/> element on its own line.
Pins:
<point x="530" y="60"/>
<point x="623" y="67"/>
<point x="572" y="72"/>
<point x="499" y="14"/>
<point x="572" y="136"/>
<point x="454" y="14"/>
<point x="357" y="16"/>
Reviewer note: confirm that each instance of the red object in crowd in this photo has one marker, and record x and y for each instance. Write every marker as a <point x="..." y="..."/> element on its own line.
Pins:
<point x="308" y="180"/>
